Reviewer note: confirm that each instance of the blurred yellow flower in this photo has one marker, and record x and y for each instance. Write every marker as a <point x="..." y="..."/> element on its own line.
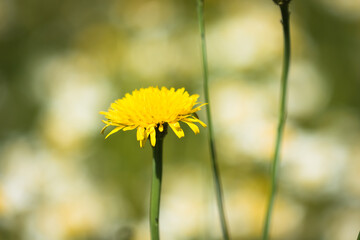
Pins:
<point x="150" y="109"/>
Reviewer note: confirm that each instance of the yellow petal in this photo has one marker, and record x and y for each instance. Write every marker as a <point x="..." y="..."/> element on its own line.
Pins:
<point x="193" y="127"/>
<point x="198" y="108"/>
<point x="192" y="119"/>
<point x="129" y="128"/>
<point x="153" y="138"/>
<point x="142" y="142"/>
<point x="114" y="131"/>
<point x="102" y="130"/>
<point x="149" y="129"/>
<point x="152" y="133"/>
<point x="203" y="104"/>
<point x="201" y="123"/>
<point x="177" y="129"/>
<point x="161" y="128"/>
<point x="140" y="134"/>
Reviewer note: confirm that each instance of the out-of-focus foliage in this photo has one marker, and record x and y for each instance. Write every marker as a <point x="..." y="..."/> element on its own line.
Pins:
<point x="61" y="62"/>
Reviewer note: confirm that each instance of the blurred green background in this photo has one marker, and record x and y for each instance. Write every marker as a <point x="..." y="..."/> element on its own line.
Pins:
<point x="63" y="61"/>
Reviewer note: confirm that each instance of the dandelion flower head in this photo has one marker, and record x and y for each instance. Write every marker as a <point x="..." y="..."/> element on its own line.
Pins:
<point x="151" y="109"/>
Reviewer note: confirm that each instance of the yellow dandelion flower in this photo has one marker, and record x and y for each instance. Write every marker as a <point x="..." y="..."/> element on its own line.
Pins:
<point x="151" y="109"/>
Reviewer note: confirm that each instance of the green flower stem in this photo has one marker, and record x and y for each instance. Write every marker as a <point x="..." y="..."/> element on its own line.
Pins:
<point x="215" y="168"/>
<point x="156" y="184"/>
<point x="282" y="116"/>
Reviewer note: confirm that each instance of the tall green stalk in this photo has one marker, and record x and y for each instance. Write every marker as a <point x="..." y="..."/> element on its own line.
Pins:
<point x="284" y="7"/>
<point x="156" y="184"/>
<point x="214" y="165"/>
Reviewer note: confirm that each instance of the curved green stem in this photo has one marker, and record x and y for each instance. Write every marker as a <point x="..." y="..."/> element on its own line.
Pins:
<point x="214" y="165"/>
<point x="282" y="116"/>
<point x="156" y="184"/>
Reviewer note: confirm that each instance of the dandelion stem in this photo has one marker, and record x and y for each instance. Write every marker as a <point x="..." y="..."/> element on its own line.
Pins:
<point x="284" y="7"/>
<point x="215" y="168"/>
<point x="156" y="184"/>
